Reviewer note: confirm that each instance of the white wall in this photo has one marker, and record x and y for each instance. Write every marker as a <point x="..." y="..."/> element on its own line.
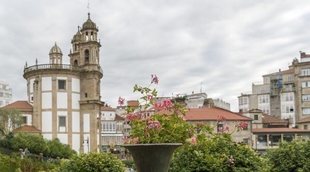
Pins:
<point x="46" y="83"/>
<point x="86" y="123"/>
<point x="63" y="138"/>
<point x="47" y="136"/>
<point x="62" y="100"/>
<point x="76" y="142"/>
<point x="75" y="121"/>
<point x="31" y="85"/>
<point x="75" y="85"/>
<point x="46" y="100"/>
<point x="75" y="101"/>
<point x="47" y="121"/>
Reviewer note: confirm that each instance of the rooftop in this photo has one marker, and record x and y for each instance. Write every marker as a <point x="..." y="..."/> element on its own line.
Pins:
<point x="278" y="130"/>
<point x="213" y="114"/>
<point x="23" y="106"/>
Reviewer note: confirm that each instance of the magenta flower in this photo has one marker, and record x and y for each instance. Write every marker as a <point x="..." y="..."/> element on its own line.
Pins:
<point x="154" y="79"/>
<point x="165" y="104"/>
<point x="149" y="97"/>
<point x="121" y="101"/>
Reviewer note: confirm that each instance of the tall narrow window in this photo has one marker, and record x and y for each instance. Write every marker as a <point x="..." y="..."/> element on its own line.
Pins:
<point x="75" y="62"/>
<point x="62" y="121"/>
<point x="86" y="54"/>
<point x="61" y="84"/>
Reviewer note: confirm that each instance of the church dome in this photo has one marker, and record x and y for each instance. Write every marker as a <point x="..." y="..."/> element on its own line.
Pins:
<point x="55" y="50"/>
<point x="89" y="24"/>
<point x="77" y="37"/>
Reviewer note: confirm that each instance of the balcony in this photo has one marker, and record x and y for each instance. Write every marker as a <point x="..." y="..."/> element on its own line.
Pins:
<point x="68" y="67"/>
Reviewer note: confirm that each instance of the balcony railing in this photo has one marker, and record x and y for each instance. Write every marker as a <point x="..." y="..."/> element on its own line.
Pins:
<point x="60" y="67"/>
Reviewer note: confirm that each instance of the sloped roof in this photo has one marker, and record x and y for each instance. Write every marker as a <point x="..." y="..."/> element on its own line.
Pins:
<point x="133" y="103"/>
<point x="118" y="118"/>
<point x="27" y="129"/>
<point x="23" y="106"/>
<point x="279" y="130"/>
<point x="213" y="114"/>
<point x="268" y="119"/>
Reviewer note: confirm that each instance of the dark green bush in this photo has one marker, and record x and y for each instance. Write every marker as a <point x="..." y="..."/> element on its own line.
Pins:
<point x="93" y="162"/>
<point x="290" y="157"/>
<point x="216" y="153"/>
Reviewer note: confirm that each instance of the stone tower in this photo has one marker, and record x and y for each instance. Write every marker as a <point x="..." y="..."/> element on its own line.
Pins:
<point x="66" y="97"/>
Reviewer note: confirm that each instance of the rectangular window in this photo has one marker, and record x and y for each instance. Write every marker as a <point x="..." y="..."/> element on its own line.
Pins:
<point x="306" y="111"/>
<point x="305" y="72"/>
<point x="306" y="97"/>
<point x="62" y="121"/>
<point x="305" y="127"/>
<point x="24" y="119"/>
<point x="1" y="94"/>
<point x="255" y="117"/>
<point x="305" y="84"/>
<point x="61" y="84"/>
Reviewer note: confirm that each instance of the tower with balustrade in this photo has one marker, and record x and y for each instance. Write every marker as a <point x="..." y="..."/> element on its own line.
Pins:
<point x="66" y="97"/>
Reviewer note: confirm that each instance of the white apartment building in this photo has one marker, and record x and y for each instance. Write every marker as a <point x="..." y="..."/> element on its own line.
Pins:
<point x="5" y="94"/>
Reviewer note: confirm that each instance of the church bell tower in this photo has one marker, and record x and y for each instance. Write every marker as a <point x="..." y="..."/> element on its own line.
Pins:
<point x="85" y="56"/>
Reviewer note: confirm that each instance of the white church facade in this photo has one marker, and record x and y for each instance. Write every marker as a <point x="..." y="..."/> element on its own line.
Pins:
<point x="66" y="97"/>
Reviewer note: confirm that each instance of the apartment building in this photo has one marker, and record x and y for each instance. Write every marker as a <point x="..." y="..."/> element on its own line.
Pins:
<point x="285" y="94"/>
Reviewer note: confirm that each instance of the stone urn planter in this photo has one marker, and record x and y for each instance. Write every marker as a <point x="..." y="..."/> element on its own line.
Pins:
<point x="152" y="157"/>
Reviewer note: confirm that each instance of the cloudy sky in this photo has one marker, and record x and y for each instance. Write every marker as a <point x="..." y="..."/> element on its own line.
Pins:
<point x="219" y="47"/>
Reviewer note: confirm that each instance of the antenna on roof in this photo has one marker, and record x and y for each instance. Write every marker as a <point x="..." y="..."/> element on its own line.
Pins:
<point x="88" y="6"/>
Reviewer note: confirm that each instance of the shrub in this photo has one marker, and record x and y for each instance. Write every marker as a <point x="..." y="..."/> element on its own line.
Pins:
<point x="34" y="143"/>
<point x="8" y="164"/>
<point x="293" y="156"/>
<point x="58" y="150"/>
<point x="93" y="162"/>
<point x="216" y="153"/>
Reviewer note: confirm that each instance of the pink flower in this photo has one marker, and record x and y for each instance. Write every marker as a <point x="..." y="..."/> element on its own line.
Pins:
<point x="165" y="104"/>
<point x="153" y="124"/>
<point x="242" y="125"/>
<point x="154" y="79"/>
<point x="131" y="117"/>
<point x="149" y="97"/>
<point x="194" y="140"/>
<point x="121" y="101"/>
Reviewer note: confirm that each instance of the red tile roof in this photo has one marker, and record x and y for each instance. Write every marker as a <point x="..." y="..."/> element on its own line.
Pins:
<point x="118" y="118"/>
<point x="27" y="129"/>
<point x="279" y="130"/>
<point x="213" y="114"/>
<point x="23" y="106"/>
<point x="133" y="103"/>
<point x="268" y="119"/>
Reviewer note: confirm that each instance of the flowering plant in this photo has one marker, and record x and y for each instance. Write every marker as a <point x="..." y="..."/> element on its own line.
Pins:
<point x="155" y="120"/>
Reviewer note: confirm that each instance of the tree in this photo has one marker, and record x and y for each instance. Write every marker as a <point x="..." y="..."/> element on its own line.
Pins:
<point x="292" y="157"/>
<point x="9" y="120"/>
<point x="93" y="162"/>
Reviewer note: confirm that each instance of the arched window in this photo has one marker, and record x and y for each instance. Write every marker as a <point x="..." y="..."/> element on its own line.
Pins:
<point x="86" y="55"/>
<point x="75" y="63"/>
